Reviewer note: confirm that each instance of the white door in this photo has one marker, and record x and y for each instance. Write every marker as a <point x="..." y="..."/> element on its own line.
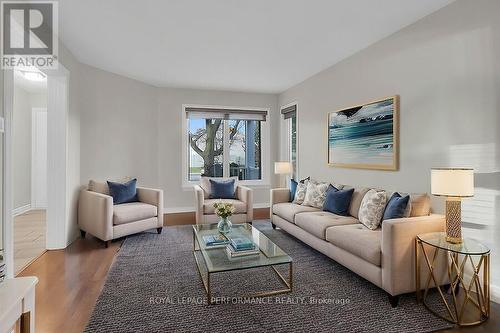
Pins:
<point x="39" y="159"/>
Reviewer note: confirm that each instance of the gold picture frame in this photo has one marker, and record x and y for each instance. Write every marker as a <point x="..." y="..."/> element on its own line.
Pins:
<point x="368" y="131"/>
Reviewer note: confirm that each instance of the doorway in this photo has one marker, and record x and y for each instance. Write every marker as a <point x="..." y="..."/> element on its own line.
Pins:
<point x="55" y="215"/>
<point x="29" y="172"/>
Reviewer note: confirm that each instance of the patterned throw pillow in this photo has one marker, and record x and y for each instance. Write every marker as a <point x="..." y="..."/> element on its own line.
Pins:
<point x="372" y="208"/>
<point x="300" y="193"/>
<point x="315" y="195"/>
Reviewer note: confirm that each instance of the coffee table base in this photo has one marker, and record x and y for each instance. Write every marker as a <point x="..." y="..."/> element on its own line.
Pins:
<point x="287" y="282"/>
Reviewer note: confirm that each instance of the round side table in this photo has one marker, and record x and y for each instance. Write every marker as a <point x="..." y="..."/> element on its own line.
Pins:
<point x="464" y="290"/>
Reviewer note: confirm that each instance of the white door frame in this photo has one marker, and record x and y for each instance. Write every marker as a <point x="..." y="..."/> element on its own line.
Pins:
<point x="57" y="117"/>
<point x="34" y="138"/>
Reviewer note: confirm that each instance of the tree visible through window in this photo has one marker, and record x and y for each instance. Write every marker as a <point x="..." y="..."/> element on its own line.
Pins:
<point x="213" y="155"/>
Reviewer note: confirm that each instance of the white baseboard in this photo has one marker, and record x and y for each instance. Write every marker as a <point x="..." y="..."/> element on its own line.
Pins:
<point x="261" y="205"/>
<point x="174" y="210"/>
<point x="21" y="210"/>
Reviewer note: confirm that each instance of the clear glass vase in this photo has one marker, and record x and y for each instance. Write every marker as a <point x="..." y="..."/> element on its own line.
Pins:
<point x="224" y="225"/>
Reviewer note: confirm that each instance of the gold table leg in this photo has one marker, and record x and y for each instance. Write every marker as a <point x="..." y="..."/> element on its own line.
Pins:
<point x="475" y="294"/>
<point x="206" y="281"/>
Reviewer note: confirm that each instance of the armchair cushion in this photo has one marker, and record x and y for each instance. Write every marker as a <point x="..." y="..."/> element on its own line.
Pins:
<point x="222" y="189"/>
<point x="123" y="192"/>
<point x="239" y="206"/>
<point x="132" y="212"/>
<point x="206" y="186"/>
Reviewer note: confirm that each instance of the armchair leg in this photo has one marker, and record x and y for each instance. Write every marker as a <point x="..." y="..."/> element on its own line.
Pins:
<point x="82" y="233"/>
<point x="106" y="243"/>
<point x="158" y="230"/>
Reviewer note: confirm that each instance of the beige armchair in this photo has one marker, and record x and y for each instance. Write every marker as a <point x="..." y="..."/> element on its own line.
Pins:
<point x="99" y="217"/>
<point x="243" y="204"/>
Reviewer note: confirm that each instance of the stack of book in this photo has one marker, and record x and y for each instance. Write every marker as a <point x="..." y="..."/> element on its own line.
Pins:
<point x="241" y="246"/>
<point x="215" y="241"/>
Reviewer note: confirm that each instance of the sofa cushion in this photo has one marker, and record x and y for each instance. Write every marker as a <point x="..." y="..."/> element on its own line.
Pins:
<point x="315" y="194"/>
<point x="316" y="223"/>
<point x="300" y="192"/>
<point x="420" y="204"/>
<point x="132" y="212"/>
<point x="102" y="187"/>
<point x="239" y="206"/>
<point x="396" y="206"/>
<point x="358" y="240"/>
<point x="338" y="201"/>
<point x="357" y="197"/>
<point x="287" y="210"/>
<point x="372" y="208"/>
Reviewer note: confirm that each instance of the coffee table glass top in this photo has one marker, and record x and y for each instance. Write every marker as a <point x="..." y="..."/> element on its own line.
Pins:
<point x="217" y="260"/>
<point x="468" y="246"/>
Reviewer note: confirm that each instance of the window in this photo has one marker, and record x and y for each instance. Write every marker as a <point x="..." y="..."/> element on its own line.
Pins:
<point x="290" y="116"/>
<point x="224" y="143"/>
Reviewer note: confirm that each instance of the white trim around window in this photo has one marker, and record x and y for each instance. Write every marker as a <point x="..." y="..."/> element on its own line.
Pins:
<point x="286" y="128"/>
<point x="265" y="146"/>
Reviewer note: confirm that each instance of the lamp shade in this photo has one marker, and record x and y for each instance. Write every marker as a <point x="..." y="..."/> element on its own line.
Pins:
<point x="281" y="168"/>
<point x="452" y="182"/>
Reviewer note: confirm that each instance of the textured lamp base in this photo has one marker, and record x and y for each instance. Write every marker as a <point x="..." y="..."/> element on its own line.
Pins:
<point x="453" y="220"/>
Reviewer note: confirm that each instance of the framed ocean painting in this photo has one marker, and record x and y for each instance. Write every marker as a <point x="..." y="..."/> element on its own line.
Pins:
<point x="365" y="136"/>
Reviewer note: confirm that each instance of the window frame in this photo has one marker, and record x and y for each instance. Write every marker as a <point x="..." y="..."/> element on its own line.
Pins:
<point x="264" y="146"/>
<point x="286" y="125"/>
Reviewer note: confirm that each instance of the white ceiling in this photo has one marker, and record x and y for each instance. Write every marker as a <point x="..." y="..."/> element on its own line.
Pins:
<point x="252" y="45"/>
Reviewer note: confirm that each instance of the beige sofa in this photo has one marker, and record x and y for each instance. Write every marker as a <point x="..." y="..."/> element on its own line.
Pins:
<point x="384" y="256"/>
<point x="99" y="217"/>
<point x="205" y="211"/>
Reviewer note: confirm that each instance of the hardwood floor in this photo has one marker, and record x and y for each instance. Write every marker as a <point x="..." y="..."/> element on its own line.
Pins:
<point x="72" y="279"/>
<point x="29" y="238"/>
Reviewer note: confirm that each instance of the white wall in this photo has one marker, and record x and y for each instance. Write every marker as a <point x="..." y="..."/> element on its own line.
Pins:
<point x="119" y="128"/>
<point x="24" y="101"/>
<point x="21" y="150"/>
<point x="129" y="128"/>
<point x="446" y="70"/>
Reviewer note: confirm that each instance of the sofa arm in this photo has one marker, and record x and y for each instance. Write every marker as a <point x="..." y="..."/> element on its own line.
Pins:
<point x="95" y="214"/>
<point x="279" y="195"/>
<point x="153" y="197"/>
<point x="199" y="200"/>
<point x="398" y="250"/>
<point x="245" y="194"/>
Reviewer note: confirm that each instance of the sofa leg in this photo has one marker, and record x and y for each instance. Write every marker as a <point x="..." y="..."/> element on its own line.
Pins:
<point x="106" y="243"/>
<point x="394" y="300"/>
<point x="274" y="225"/>
<point x="82" y="233"/>
<point x="158" y="230"/>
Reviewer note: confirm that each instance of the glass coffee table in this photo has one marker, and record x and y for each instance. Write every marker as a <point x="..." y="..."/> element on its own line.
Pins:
<point x="216" y="260"/>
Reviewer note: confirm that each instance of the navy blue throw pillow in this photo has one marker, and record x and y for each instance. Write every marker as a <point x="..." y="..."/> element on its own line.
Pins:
<point x="293" y="189"/>
<point x="337" y="202"/>
<point x="123" y="192"/>
<point x="396" y="207"/>
<point x="222" y="189"/>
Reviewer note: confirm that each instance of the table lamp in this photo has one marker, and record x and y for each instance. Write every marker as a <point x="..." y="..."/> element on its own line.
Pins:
<point x="454" y="184"/>
<point x="283" y="168"/>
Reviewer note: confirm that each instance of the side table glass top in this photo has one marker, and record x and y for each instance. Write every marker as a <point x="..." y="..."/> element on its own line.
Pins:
<point x="468" y="246"/>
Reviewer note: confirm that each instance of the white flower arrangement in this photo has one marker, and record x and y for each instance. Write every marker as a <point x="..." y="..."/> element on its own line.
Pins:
<point x="224" y="209"/>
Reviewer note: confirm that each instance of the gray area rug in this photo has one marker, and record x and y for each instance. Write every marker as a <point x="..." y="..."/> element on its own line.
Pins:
<point x="154" y="286"/>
